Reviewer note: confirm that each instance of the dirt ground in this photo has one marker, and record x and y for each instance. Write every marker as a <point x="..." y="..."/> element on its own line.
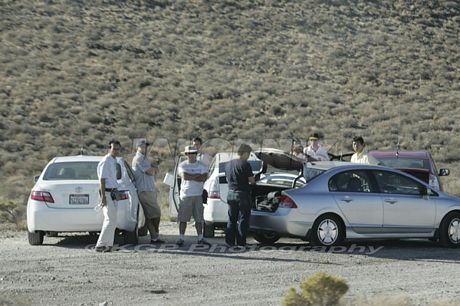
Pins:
<point x="66" y="271"/>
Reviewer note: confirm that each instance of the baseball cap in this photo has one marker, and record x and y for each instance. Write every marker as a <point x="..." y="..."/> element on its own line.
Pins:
<point x="142" y="142"/>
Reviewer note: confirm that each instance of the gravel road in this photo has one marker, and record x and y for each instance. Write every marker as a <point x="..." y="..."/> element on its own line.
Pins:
<point x="65" y="271"/>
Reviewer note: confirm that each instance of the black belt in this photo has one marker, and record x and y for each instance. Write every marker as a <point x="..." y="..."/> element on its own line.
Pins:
<point x="110" y="189"/>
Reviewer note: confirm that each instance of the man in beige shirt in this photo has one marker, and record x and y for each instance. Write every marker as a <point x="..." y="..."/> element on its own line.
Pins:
<point x="361" y="156"/>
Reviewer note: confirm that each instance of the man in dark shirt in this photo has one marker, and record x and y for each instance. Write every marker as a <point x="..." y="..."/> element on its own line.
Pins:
<point x="239" y="176"/>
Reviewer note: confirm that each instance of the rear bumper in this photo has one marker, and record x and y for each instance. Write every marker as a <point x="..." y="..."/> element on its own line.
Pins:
<point x="215" y="211"/>
<point x="285" y="222"/>
<point x="40" y="217"/>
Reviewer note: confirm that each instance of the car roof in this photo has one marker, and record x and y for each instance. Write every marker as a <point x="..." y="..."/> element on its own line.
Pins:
<point x="227" y="156"/>
<point x="400" y="154"/>
<point x="76" y="158"/>
<point x="325" y="165"/>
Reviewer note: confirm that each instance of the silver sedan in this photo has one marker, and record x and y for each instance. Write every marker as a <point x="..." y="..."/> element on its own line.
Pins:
<point x="354" y="201"/>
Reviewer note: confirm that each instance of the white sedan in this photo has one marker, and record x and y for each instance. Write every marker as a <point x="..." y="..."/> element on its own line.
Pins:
<point x="65" y="198"/>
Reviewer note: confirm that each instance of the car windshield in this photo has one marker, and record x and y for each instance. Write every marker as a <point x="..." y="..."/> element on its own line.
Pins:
<point x="71" y="171"/>
<point x="405" y="163"/>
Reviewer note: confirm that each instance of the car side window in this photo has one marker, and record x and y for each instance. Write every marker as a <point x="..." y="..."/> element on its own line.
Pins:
<point x="395" y="183"/>
<point x="351" y="181"/>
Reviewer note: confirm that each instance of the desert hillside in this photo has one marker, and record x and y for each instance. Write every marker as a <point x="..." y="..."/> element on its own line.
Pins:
<point x="77" y="73"/>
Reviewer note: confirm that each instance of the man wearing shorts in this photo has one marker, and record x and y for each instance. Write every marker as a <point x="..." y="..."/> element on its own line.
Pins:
<point x="193" y="174"/>
<point x="144" y="172"/>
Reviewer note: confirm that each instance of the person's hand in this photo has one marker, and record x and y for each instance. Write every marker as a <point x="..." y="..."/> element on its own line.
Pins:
<point x="104" y="201"/>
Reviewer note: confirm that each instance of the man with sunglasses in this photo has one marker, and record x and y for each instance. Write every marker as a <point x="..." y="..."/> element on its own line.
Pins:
<point x="193" y="174"/>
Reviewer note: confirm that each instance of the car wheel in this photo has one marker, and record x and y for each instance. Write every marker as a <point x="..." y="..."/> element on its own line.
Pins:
<point x="449" y="231"/>
<point x="328" y="230"/>
<point x="208" y="230"/>
<point x="130" y="237"/>
<point x="266" y="238"/>
<point x="35" y="238"/>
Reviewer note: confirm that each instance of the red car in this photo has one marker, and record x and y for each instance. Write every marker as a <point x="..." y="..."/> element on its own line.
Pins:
<point x="418" y="163"/>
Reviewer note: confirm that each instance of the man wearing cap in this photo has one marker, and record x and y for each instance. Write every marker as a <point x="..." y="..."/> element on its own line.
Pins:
<point x="314" y="151"/>
<point x="107" y="175"/>
<point x="361" y="156"/>
<point x="144" y="173"/>
<point x="193" y="174"/>
<point x="239" y="175"/>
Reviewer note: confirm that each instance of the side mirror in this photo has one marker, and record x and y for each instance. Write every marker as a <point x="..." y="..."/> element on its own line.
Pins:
<point x="118" y="171"/>
<point x="444" y="172"/>
<point x="36" y="178"/>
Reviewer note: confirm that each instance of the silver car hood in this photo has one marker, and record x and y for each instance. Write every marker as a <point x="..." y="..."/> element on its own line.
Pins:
<point x="279" y="159"/>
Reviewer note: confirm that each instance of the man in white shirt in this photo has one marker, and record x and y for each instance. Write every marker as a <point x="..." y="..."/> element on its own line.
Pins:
<point x="361" y="156"/>
<point x="107" y="175"/>
<point x="193" y="173"/>
<point x="314" y="151"/>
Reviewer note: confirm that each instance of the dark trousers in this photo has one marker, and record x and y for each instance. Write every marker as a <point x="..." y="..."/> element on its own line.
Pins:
<point x="239" y="212"/>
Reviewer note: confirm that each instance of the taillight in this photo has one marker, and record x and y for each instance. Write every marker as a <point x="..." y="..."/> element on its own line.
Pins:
<point x="214" y="195"/>
<point x="42" y="196"/>
<point x="286" y="202"/>
<point x="214" y="192"/>
<point x="124" y="195"/>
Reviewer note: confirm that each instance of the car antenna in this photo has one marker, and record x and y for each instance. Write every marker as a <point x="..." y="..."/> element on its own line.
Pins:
<point x="397" y="149"/>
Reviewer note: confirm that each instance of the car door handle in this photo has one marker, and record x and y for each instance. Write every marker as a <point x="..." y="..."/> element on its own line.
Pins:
<point x="391" y="201"/>
<point x="346" y="199"/>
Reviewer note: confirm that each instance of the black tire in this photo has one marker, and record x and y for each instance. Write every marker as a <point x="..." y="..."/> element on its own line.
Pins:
<point x="449" y="231"/>
<point x="35" y="238"/>
<point x="130" y="237"/>
<point x="208" y="230"/>
<point x="266" y="238"/>
<point x="328" y="230"/>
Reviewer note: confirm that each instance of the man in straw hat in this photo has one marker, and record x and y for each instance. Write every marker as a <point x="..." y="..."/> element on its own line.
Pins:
<point x="193" y="173"/>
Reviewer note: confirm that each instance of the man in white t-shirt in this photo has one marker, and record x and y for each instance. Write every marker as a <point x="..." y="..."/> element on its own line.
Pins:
<point x="193" y="173"/>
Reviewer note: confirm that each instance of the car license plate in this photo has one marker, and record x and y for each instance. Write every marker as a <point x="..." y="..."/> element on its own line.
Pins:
<point x="79" y="199"/>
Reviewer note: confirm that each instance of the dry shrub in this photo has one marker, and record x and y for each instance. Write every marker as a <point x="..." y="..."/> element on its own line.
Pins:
<point x="12" y="212"/>
<point x="319" y="290"/>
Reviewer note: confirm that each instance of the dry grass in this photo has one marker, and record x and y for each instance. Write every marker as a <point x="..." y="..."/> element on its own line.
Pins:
<point x="75" y="73"/>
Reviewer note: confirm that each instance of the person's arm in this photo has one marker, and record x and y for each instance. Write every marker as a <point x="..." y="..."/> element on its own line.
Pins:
<point x="152" y="171"/>
<point x="322" y="153"/>
<point x="138" y="164"/>
<point x="372" y="160"/>
<point x="251" y="178"/>
<point x="192" y="177"/>
<point x="102" y="186"/>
